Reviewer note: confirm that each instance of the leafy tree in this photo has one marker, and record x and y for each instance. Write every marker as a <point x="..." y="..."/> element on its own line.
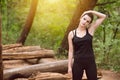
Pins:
<point x="28" y="23"/>
<point x="106" y="39"/>
<point x="51" y="23"/>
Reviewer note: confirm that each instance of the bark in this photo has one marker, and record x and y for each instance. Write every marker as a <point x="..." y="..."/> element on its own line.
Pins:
<point x="49" y="76"/>
<point x="29" y="21"/>
<point x="8" y="64"/>
<point x="45" y="60"/>
<point x="28" y="55"/>
<point x="9" y="46"/>
<point x="52" y="76"/>
<point x="22" y="49"/>
<point x="82" y="6"/>
<point x="57" y="66"/>
<point x="1" y="63"/>
<point x="39" y="60"/>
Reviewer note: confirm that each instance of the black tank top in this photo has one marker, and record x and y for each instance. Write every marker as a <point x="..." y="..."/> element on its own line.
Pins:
<point x="83" y="46"/>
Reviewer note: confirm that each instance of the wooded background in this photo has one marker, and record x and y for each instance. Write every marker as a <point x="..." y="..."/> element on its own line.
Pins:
<point x="49" y="21"/>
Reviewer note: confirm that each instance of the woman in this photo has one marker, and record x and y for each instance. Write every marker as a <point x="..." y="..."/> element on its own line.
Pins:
<point x="80" y="46"/>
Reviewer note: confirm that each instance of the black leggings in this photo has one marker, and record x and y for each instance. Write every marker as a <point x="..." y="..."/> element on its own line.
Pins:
<point x="88" y="66"/>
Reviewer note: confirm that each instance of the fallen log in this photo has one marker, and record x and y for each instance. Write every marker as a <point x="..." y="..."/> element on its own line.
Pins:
<point x="51" y="76"/>
<point x="22" y="49"/>
<point x="48" y="76"/>
<point x="57" y="66"/>
<point x="9" y="64"/>
<point x="28" y="55"/>
<point x="9" y="46"/>
<point x="46" y="60"/>
<point x="40" y="60"/>
<point x="21" y="79"/>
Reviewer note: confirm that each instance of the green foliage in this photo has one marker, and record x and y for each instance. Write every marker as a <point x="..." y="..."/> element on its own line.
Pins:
<point x="106" y="40"/>
<point x="51" y="21"/>
<point x="14" y="13"/>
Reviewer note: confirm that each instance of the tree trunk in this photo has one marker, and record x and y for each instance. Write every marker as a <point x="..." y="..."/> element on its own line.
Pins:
<point x="57" y="66"/>
<point x="28" y="23"/>
<point x="1" y="63"/>
<point x="82" y="6"/>
<point x="28" y="55"/>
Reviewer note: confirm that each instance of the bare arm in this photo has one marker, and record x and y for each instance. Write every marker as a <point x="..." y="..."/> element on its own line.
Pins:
<point x="97" y="22"/>
<point x="70" y="52"/>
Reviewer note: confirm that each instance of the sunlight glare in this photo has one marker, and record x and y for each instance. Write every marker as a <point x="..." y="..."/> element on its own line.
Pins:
<point x="52" y="1"/>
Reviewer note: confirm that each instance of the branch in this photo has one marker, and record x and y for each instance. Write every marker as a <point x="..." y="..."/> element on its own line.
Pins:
<point x="105" y="3"/>
<point x="115" y="32"/>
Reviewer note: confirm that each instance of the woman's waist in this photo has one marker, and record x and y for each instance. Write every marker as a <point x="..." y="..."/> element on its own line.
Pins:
<point x="84" y="59"/>
<point x="83" y="56"/>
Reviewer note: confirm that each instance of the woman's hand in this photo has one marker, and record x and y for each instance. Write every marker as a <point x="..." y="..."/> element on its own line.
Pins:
<point x="89" y="11"/>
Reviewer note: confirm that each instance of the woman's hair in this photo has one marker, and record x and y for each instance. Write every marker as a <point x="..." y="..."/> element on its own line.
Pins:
<point x="90" y="15"/>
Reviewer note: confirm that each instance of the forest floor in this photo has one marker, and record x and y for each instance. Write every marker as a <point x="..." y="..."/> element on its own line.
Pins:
<point x="110" y="75"/>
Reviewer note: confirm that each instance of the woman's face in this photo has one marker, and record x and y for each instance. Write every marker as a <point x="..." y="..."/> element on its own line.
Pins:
<point x="85" y="21"/>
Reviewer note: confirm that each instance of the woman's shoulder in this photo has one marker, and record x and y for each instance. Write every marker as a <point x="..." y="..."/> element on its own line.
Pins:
<point x="72" y="33"/>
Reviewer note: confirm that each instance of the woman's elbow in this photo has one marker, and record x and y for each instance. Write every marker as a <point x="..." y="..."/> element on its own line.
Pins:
<point x="104" y="16"/>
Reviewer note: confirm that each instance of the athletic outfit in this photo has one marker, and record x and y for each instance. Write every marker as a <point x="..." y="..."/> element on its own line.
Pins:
<point x="83" y="57"/>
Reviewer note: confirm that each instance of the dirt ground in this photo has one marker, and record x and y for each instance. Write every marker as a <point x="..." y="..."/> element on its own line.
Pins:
<point x="110" y="75"/>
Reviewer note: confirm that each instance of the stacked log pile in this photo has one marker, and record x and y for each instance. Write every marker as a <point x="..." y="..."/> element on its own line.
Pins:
<point x="25" y="61"/>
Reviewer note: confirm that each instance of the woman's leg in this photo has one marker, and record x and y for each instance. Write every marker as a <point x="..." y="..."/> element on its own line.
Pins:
<point x="77" y="72"/>
<point x="91" y="71"/>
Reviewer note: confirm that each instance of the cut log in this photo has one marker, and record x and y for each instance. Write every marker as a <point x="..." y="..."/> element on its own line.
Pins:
<point x="29" y="55"/>
<point x="9" y="46"/>
<point x="23" y="49"/>
<point x="57" y="66"/>
<point x="21" y="79"/>
<point x="40" y="60"/>
<point x="48" y="76"/>
<point x="46" y="60"/>
<point x="9" y="64"/>
<point x="51" y="76"/>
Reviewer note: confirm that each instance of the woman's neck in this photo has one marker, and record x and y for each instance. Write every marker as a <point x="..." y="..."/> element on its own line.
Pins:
<point x="81" y="28"/>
